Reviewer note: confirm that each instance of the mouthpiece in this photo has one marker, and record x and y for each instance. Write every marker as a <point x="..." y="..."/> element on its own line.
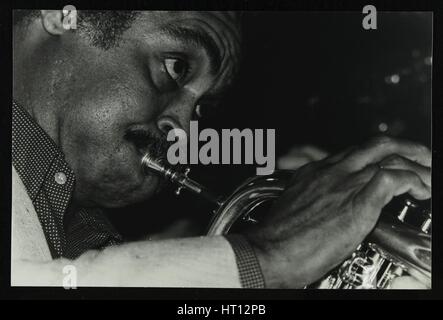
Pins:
<point x="178" y="178"/>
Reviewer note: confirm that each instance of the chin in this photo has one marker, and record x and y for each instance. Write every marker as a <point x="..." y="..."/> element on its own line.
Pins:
<point x="123" y="200"/>
<point x="121" y="203"/>
<point x="118" y="197"/>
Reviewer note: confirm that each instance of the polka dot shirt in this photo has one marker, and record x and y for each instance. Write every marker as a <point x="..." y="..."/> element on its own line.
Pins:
<point x="50" y="183"/>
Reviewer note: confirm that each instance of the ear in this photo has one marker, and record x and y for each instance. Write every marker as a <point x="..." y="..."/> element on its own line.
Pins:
<point x="52" y="21"/>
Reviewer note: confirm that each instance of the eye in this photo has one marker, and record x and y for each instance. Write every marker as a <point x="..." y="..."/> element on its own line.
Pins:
<point x="176" y="68"/>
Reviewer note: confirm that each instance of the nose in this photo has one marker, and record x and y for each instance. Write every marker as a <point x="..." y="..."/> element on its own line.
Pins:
<point x="178" y="114"/>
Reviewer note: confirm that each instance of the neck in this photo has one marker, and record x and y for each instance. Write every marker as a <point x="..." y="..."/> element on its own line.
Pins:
<point x="40" y="111"/>
<point x="34" y="84"/>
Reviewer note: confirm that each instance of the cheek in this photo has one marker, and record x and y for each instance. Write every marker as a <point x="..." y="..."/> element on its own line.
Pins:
<point x="112" y="180"/>
<point x="106" y="165"/>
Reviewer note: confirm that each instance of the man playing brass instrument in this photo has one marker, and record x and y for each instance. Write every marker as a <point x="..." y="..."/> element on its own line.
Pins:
<point x="90" y="101"/>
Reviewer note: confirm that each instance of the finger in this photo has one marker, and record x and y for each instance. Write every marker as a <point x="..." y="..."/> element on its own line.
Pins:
<point x="306" y="169"/>
<point x="379" y="148"/>
<point x="397" y="162"/>
<point x="299" y="156"/>
<point x="386" y="184"/>
<point x="313" y="152"/>
<point x="291" y="162"/>
<point x="340" y="156"/>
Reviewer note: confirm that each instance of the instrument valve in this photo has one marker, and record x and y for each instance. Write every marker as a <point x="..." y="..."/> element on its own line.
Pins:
<point x="180" y="188"/>
<point x="409" y="205"/>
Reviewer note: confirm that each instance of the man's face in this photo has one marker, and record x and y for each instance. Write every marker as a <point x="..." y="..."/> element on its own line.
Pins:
<point x="164" y="65"/>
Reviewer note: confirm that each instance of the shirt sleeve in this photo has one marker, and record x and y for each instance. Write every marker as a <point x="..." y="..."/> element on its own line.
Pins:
<point x="249" y="269"/>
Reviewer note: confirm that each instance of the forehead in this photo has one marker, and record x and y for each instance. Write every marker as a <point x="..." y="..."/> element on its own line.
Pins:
<point x="218" y="32"/>
<point x="222" y="21"/>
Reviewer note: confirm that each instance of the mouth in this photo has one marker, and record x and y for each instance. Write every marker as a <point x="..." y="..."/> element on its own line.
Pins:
<point x="156" y="147"/>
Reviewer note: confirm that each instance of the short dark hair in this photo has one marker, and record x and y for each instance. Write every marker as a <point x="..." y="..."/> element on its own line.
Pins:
<point x="103" y="28"/>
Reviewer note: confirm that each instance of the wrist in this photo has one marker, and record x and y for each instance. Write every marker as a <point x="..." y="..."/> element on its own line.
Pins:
<point x="283" y="267"/>
<point x="269" y="265"/>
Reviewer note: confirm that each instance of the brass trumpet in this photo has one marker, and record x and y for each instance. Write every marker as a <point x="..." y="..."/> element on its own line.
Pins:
<point x="399" y="245"/>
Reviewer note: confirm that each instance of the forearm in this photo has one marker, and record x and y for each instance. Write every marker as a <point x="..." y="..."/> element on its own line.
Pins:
<point x="188" y="262"/>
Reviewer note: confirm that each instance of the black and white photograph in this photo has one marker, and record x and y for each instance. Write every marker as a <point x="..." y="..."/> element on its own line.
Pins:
<point x="251" y="149"/>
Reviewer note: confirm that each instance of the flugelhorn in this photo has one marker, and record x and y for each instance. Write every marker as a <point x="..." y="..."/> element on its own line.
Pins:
<point x="399" y="245"/>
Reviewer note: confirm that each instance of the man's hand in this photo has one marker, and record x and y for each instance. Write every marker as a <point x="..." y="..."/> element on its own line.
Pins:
<point x="331" y="205"/>
<point x="298" y="156"/>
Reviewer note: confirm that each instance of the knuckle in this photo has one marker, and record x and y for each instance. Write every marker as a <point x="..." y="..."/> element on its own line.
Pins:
<point x="393" y="160"/>
<point x="385" y="178"/>
<point x="423" y="150"/>
<point x="415" y="179"/>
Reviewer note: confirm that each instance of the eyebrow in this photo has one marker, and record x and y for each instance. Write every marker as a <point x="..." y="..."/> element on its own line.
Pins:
<point x="198" y="38"/>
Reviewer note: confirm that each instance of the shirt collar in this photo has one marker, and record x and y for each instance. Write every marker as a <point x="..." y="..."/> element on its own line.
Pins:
<point x="50" y="183"/>
<point x="34" y="152"/>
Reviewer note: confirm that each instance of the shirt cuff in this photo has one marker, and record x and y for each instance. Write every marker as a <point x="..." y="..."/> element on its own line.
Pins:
<point x="249" y="269"/>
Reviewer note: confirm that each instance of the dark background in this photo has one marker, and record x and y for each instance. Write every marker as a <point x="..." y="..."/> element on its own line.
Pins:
<point x="316" y="78"/>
